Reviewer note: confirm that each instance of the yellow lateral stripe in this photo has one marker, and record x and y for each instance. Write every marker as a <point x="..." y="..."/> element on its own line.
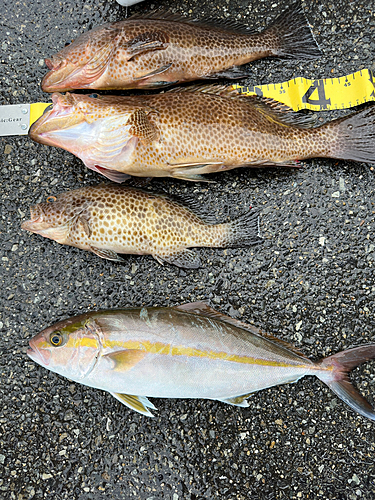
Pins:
<point x="319" y="95"/>
<point x="36" y="110"/>
<point x="167" y="349"/>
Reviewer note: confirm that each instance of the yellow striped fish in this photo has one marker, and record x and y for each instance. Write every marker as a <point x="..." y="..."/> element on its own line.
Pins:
<point x="188" y="351"/>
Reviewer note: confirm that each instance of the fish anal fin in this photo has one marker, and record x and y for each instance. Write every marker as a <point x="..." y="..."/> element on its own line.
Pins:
<point x="237" y="400"/>
<point x="106" y="254"/>
<point x="202" y="308"/>
<point x="139" y="404"/>
<point x="192" y="171"/>
<point x="233" y="72"/>
<point x="189" y="259"/>
<point x="125" y="360"/>
<point x="144" y="42"/>
<point x="141" y="127"/>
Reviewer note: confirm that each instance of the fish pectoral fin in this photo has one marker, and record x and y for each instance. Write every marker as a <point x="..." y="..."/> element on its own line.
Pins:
<point x="84" y="223"/>
<point x="141" y="127"/>
<point x="152" y="40"/>
<point x="186" y="258"/>
<point x="137" y="403"/>
<point x="125" y="360"/>
<point x="106" y="254"/>
<point x="156" y="71"/>
<point x="237" y="400"/>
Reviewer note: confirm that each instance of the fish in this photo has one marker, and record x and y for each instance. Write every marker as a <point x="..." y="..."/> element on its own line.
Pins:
<point x="187" y="132"/>
<point x="128" y="3"/>
<point x="186" y="351"/>
<point x="161" y="49"/>
<point x="112" y="219"/>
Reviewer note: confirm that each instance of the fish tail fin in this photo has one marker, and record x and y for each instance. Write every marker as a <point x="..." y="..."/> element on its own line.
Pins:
<point x="244" y="230"/>
<point x="335" y="374"/>
<point x="353" y="137"/>
<point x="291" y="36"/>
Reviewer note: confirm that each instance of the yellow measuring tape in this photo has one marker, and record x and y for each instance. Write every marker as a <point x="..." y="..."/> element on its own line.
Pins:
<point x="319" y="95"/>
<point x="36" y="110"/>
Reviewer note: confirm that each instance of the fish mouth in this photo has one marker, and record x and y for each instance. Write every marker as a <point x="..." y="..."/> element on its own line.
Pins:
<point x="59" y="75"/>
<point x="65" y="76"/>
<point x="35" y="354"/>
<point x="36" y="222"/>
<point x="57" y="117"/>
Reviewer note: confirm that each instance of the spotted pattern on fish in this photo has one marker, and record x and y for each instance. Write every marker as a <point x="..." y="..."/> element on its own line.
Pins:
<point x="110" y="219"/>
<point x="149" y="52"/>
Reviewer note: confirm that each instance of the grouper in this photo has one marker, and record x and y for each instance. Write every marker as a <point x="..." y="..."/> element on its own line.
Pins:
<point x="160" y="49"/>
<point x="187" y="132"/>
<point x="109" y="220"/>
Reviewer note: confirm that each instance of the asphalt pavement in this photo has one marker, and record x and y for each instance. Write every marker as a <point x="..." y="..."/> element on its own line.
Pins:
<point x="310" y="283"/>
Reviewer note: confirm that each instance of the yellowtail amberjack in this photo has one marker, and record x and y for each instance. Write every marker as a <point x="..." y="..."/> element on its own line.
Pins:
<point x="189" y="351"/>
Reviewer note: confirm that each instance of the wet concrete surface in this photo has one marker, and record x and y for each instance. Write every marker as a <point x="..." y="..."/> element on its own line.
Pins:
<point x="311" y="283"/>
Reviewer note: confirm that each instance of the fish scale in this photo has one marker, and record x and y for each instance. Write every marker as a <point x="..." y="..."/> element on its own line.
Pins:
<point x="188" y="351"/>
<point x="163" y="48"/>
<point x="110" y="219"/>
<point x="185" y="133"/>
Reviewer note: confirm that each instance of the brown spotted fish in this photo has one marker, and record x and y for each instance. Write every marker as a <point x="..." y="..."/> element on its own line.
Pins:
<point x="184" y="133"/>
<point x="111" y="219"/>
<point x="163" y="49"/>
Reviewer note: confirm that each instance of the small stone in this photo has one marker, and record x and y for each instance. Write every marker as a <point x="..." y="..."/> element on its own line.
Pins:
<point x="2" y="459"/>
<point x="69" y="415"/>
<point x="7" y="149"/>
<point x="298" y="325"/>
<point x="322" y="240"/>
<point x="336" y="194"/>
<point x="134" y="268"/>
<point x="355" y="479"/>
<point x="46" y="476"/>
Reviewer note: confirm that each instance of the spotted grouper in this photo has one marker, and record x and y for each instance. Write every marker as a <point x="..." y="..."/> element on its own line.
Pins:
<point x="111" y="219"/>
<point x="163" y="49"/>
<point x="188" y="351"/>
<point x="184" y="133"/>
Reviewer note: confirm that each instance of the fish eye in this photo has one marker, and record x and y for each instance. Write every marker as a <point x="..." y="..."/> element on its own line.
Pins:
<point x="56" y="338"/>
<point x="51" y="199"/>
<point x="48" y="108"/>
<point x="94" y="96"/>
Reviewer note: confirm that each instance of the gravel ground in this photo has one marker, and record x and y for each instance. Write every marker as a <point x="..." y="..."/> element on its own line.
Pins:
<point x="311" y="283"/>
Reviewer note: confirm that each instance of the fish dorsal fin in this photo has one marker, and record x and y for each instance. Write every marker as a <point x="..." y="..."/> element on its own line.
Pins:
<point x="137" y="403"/>
<point x="210" y="88"/>
<point x="273" y="110"/>
<point x="278" y="112"/>
<point x="203" y="309"/>
<point x="228" y="25"/>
